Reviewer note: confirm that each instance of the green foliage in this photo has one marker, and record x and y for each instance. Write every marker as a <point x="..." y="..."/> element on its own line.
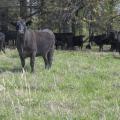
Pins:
<point x="69" y="15"/>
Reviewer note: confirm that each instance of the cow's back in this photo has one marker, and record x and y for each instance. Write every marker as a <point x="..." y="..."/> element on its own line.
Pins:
<point x="45" y="41"/>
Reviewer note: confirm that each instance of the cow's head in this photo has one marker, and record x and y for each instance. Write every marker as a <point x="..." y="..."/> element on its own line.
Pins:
<point x="21" y="26"/>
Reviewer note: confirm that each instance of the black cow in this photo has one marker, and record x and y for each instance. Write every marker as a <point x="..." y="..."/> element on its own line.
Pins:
<point x="115" y="44"/>
<point x="100" y="40"/>
<point x="78" y="41"/>
<point x="118" y="42"/>
<point x="64" y="40"/>
<point x="113" y="40"/>
<point x="2" y="42"/>
<point x="11" y="36"/>
<point x="32" y="43"/>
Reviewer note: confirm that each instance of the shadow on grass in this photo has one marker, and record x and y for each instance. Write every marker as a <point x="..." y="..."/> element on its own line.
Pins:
<point x="16" y="69"/>
<point x="116" y="56"/>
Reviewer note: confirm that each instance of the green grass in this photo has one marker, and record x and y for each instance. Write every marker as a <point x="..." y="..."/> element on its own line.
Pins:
<point x="79" y="86"/>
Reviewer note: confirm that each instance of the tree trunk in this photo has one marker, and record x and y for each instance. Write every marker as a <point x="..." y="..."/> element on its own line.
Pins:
<point x="66" y="27"/>
<point x="30" y="7"/>
<point x="73" y="26"/>
<point x="23" y="8"/>
<point x="4" y="19"/>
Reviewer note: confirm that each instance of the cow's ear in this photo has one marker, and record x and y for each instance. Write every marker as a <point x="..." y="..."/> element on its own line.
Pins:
<point x="28" y="23"/>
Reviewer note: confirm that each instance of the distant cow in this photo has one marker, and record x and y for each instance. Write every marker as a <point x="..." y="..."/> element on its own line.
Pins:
<point x="64" y="40"/>
<point x="118" y="46"/>
<point x="113" y="40"/>
<point x="100" y="40"/>
<point x="11" y="36"/>
<point x="2" y="42"/>
<point x="32" y="43"/>
<point x="117" y="36"/>
<point x="78" y="41"/>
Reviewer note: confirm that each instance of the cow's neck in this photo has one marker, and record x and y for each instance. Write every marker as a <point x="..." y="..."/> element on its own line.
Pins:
<point x="20" y="40"/>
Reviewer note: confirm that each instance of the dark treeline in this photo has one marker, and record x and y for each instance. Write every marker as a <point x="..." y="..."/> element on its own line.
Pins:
<point x="77" y="16"/>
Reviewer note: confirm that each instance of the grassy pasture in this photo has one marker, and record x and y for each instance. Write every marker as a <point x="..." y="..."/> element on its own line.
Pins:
<point x="80" y="86"/>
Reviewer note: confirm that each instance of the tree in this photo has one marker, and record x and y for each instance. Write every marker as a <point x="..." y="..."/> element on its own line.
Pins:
<point x="23" y="8"/>
<point x="67" y="15"/>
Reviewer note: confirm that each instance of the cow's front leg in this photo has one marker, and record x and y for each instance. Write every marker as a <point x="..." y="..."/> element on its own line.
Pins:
<point x="81" y="46"/>
<point x="32" y="61"/>
<point x="50" y="57"/>
<point x="22" y="62"/>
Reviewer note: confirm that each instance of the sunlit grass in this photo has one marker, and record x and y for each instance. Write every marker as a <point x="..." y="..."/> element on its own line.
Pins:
<point x="79" y="86"/>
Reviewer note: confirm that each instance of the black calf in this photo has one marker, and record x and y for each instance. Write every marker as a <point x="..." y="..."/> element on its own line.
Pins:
<point x="64" y="40"/>
<point x="100" y="40"/>
<point x="78" y="41"/>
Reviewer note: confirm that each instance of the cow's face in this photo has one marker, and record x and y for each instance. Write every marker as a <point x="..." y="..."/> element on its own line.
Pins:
<point x="21" y="26"/>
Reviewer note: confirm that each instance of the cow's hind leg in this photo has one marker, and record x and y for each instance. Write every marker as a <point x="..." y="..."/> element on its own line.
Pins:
<point x="50" y="58"/>
<point x="46" y="61"/>
<point x="32" y="61"/>
<point x="3" y="48"/>
<point x="119" y="50"/>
